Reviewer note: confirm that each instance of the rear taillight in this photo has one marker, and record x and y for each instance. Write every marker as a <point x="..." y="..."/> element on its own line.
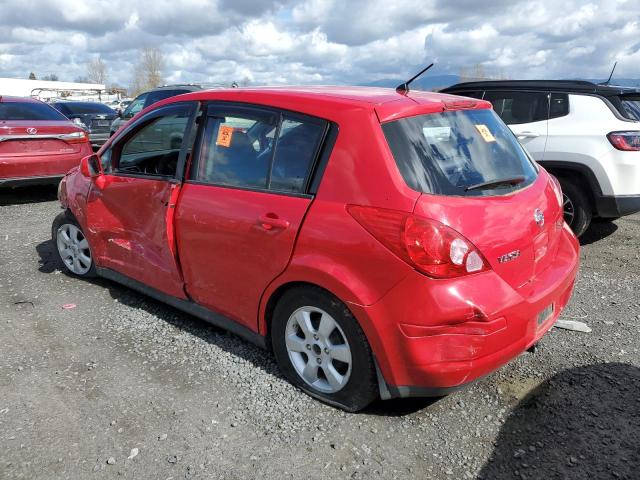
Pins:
<point x="628" y="141"/>
<point x="75" y="137"/>
<point x="427" y="245"/>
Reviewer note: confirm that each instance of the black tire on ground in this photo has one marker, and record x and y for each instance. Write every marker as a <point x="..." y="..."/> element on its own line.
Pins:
<point x="61" y="220"/>
<point x="361" y="388"/>
<point x="576" y="202"/>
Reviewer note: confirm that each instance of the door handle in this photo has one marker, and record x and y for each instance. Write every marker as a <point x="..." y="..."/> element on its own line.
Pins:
<point x="527" y="134"/>
<point x="270" y="221"/>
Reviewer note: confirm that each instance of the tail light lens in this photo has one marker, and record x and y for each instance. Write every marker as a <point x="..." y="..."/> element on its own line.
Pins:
<point x="75" y="137"/>
<point x="427" y="245"/>
<point x="628" y="141"/>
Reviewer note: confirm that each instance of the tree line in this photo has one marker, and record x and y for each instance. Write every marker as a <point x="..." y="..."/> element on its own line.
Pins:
<point x="147" y="72"/>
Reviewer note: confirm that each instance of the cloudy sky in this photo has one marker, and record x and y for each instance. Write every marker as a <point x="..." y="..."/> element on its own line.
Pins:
<point x="320" y="41"/>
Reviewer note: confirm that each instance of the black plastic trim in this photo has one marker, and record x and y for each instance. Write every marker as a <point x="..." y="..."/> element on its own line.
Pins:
<point x="26" y="181"/>
<point x="187" y="306"/>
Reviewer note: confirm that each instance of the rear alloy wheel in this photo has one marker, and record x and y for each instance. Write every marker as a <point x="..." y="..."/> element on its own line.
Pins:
<point x="72" y="246"/>
<point x="321" y="349"/>
<point x="576" y="207"/>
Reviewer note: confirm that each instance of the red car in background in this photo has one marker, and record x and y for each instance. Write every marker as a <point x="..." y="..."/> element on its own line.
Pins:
<point x="38" y="144"/>
<point x="380" y="243"/>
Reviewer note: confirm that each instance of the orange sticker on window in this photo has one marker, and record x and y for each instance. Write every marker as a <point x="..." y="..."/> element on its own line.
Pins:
<point x="224" y="136"/>
<point x="486" y="133"/>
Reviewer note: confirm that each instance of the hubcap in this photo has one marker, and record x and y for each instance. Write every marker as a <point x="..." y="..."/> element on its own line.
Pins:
<point x="318" y="349"/>
<point x="74" y="249"/>
<point x="569" y="212"/>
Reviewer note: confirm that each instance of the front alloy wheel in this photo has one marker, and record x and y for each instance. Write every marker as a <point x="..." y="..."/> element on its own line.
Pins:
<point x="72" y="246"/>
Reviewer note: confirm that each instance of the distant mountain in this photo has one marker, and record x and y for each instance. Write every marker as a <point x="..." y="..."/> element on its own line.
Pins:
<point x="436" y="82"/>
<point x="428" y="82"/>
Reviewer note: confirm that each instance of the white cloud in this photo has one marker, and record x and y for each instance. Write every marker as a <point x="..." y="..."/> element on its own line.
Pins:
<point x="320" y="41"/>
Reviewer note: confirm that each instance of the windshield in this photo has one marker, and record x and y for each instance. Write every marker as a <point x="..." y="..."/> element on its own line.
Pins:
<point x="135" y="106"/>
<point x="80" y="108"/>
<point x="158" y="95"/>
<point x="446" y="153"/>
<point x="28" y="111"/>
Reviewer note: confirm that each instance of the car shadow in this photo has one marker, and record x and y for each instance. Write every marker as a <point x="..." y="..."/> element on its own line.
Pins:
<point x="21" y="195"/>
<point x="49" y="263"/>
<point x="582" y="423"/>
<point x="598" y="230"/>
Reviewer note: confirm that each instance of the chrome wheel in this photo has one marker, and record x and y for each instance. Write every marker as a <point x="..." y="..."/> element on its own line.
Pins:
<point x="73" y="248"/>
<point x="318" y="349"/>
<point x="568" y="209"/>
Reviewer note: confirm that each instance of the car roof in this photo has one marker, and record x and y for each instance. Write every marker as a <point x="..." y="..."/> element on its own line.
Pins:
<point x="387" y="102"/>
<point x="569" y="86"/>
<point x="7" y="98"/>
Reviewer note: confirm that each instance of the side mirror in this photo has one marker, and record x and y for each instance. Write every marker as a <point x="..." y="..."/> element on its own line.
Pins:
<point x="120" y="113"/>
<point x="90" y="166"/>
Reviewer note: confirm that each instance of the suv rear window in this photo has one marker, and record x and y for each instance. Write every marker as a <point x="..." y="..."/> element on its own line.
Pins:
<point x="630" y="106"/>
<point x="446" y="153"/>
<point x="29" y="111"/>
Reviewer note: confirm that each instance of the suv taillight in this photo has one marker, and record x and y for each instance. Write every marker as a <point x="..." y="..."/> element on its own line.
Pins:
<point x="427" y="245"/>
<point x="628" y="141"/>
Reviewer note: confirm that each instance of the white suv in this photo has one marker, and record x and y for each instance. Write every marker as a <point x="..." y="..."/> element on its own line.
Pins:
<point x="587" y="135"/>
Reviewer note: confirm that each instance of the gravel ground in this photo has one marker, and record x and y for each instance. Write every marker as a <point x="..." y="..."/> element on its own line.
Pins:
<point x="123" y="386"/>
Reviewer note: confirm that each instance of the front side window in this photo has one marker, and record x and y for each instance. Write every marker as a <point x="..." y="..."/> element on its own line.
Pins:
<point x="458" y="152"/>
<point x="519" y="107"/>
<point x="154" y="148"/>
<point x="252" y="148"/>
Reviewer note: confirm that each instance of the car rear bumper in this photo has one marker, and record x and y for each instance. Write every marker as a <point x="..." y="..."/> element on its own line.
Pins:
<point x="617" y="206"/>
<point x="433" y="336"/>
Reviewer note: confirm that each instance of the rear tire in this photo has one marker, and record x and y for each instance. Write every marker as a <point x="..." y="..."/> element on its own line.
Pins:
<point x="576" y="206"/>
<point x="72" y="247"/>
<point x="322" y="350"/>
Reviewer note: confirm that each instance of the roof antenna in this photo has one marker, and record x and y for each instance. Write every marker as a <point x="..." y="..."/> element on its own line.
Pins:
<point x="403" y="88"/>
<point x="611" y="75"/>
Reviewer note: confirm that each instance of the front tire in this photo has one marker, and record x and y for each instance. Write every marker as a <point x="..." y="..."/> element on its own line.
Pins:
<point x="71" y="246"/>
<point x="576" y="207"/>
<point x="322" y="350"/>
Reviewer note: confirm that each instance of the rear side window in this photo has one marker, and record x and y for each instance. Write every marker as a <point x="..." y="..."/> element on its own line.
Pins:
<point x="519" y="107"/>
<point x="447" y="153"/>
<point x="29" y="111"/>
<point x="558" y="105"/>
<point x="259" y="149"/>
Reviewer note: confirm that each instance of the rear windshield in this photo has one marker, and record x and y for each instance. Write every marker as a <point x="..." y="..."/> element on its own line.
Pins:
<point x="158" y="95"/>
<point x="77" y="108"/>
<point x="631" y="106"/>
<point x="28" y="111"/>
<point x="455" y="152"/>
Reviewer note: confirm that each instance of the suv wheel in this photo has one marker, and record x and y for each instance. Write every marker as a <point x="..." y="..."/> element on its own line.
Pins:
<point x="72" y="246"/>
<point x="321" y="349"/>
<point x="576" y="206"/>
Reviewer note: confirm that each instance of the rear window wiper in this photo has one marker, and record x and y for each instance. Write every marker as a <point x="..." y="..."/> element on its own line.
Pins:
<point x="496" y="183"/>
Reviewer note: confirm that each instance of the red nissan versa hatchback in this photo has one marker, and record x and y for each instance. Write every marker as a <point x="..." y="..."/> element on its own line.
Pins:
<point x="38" y="144"/>
<point x="380" y="243"/>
